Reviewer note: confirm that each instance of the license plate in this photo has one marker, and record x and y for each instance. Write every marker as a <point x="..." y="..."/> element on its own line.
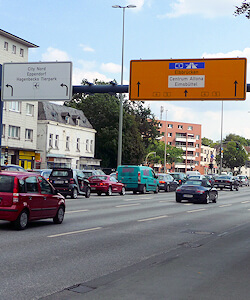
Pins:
<point x="58" y="181"/>
<point x="93" y="188"/>
<point x="188" y="196"/>
<point x="221" y="185"/>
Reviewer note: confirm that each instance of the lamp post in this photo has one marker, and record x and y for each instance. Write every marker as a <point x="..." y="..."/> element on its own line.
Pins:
<point x="146" y="160"/>
<point x="119" y="155"/>
<point x="221" y="132"/>
<point x="165" y="149"/>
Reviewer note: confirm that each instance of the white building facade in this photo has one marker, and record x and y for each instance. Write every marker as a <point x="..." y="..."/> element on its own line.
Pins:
<point x="65" y="138"/>
<point x="208" y="156"/>
<point x="19" y="121"/>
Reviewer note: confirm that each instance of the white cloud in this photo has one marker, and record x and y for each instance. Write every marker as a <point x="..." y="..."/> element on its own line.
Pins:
<point x="86" y="48"/>
<point x="53" y="54"/>
<point x="111" y="68"/>
<point x="80" y="74"/>
<point x="205" y="8"/>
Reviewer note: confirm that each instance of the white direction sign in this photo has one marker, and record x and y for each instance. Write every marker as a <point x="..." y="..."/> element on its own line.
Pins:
<point x="37" y="81"/>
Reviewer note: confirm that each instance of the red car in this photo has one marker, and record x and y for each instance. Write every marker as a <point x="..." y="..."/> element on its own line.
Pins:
<point x="106" y="184"/>
<point x="28" y="196"/>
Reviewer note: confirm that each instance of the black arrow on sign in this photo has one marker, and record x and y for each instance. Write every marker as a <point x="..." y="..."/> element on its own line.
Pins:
<point x="138" y="84"/>
<point x="235" y="87"/>
<point x="8" y="85"/>
<point x="185" y="92"/>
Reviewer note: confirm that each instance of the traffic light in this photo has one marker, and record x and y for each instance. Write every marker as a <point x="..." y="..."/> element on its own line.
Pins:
<point x="211" y="166"/>
<point x="237" y="146"/>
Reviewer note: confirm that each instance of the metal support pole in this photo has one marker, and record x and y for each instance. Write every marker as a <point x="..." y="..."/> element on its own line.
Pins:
<point x="221" y="153"/>
<point x="165" y="149"/>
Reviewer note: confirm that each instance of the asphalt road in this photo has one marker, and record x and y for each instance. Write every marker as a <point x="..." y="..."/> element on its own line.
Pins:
<point x="106" y="238"/>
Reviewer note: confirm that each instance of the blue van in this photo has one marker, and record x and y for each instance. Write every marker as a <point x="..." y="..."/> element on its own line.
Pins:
<point x="138" y="178"/>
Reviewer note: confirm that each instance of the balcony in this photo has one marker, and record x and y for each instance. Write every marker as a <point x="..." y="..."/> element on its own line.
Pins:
<point x="184" y="139"/>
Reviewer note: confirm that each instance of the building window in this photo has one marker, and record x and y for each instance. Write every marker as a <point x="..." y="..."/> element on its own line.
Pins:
<point x="159" y="125"/>
<point x="197" y="137"/>
<point x="87" y="145"/>
<point x="15" y="106"/>
<point x="67" y="119"/>
<point x="180" y="127"/>
<point x="169" y="143"/>
<point x="14" y="132"/>
<point x="29" y="134"/>
<point x="196" y="163"/>
<point x="29" y="109"/>
<point x="91" y="146"/>
<point x="21" y="52"/>
<point x="197" y="154"/>
<point x="3" y="130"/>
<point x="190" y="127"/>
<point x="170" y="125"/>
<point x="78" y="144"/>
<point x="51" y="140"/>
<point x="197" y="145"/>
<point x="67" y="142"/>
<point x="57" y="141"/>
<point x="14" y="49"/>
<point x="6" y="46"/>
<point x="170" y="134"/>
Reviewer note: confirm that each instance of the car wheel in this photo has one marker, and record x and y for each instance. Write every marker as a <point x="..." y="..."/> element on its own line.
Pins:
<point x="221" y="189"/>
<point x="22" y="220"/>
<point x="215" y="198"/>
<point x="144" y="190"/>
<point x="74" y="193"/>
<point x="231" y="188"/>
<point x="109" y="192"/>
<point x="207" y="199"/>
<point x="58" y="219"/>
<point x="134" y="192"/>
<point x="237" y="188"/>
<point x="178" y="200"/>
<point x="87" y="194"/>
<point x="99" y="193"/>
<point x="167" y="188"/>
<point x="122" y="191"/>
<point x="156" y="190"/>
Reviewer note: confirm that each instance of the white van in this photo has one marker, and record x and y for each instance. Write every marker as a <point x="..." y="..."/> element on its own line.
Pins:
<point x="189" y="173"/>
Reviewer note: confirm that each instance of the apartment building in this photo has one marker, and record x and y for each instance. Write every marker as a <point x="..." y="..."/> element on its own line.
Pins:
<point x="208" y="156"/>
<point x="65" y="137"/>
<point x="19" y="122"/>
<point x="186" y="136"/>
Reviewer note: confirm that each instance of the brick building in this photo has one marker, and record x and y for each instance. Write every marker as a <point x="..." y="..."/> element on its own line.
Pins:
<point x="186" y="136"/>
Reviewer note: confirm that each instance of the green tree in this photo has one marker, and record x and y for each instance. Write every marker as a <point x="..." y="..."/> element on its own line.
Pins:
<point x="207" y="142"/>
<point x="243" y="9"/>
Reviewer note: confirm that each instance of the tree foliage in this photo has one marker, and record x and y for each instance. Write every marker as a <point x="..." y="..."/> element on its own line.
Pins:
<point x="102" y="111"/>
<point x="207" y="142"/>
<point x="243" y="9"/>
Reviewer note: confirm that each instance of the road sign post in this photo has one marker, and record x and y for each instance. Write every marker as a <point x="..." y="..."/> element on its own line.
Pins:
<point x="188" y="79"/>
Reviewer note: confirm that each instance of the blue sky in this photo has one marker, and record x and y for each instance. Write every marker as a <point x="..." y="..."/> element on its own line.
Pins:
<point x="89" y="33"/>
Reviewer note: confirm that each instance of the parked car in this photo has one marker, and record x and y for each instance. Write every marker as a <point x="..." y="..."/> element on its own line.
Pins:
<point x="243" y="180"/>
<point x="44" y="172"/>
<point x="195" y="177"/>
<point x="138" y="178"/>
<point x="10" y="167"/>
<point x="70" y="182"/>
<point x="210" y="178"/>
<point x="179" y="177"/>
<point x="106" y="184"/>
<point x="26" y="196"/>
<point x="197" y="191"/>
<point x="167" y="183"/>
<point x="89" y="173"/>
<point x="226" y="182"/>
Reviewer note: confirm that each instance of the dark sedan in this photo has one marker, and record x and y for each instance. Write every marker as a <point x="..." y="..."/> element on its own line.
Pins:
<point x="226" y="182"/>
<point x="167" y="183"/>
<point x="197" y="191"/>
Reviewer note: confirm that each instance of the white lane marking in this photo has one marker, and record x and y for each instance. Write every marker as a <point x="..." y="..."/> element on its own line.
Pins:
<point x="74" y="232"/>
<point x="150" y="219"/>
<point x="225" y="205"/>
<point x="188" y="204"/>
<point x="75" y="211"/>
<point x="163" y="201"/>
<point x="196" y="210"/>
<point x="245" y="201"/>
<point x="127" y="205"/>
<point x="131" y="199"/>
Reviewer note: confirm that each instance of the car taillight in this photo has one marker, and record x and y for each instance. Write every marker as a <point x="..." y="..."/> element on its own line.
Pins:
<point x="200" y="192"/>
<point x="71" y="180"/>
<point x="15" y="191"/>
<point x="139" y="177"/>
<point x="178" y="190"/>
<point x="228" y="181"/>
<point x="179" y="181"/>
<point x="161" y="181"/>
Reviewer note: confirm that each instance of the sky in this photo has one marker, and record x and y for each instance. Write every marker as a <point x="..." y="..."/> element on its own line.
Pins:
<point x="89" y="33"/>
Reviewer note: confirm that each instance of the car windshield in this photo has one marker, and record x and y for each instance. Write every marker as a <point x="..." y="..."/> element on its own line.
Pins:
<point x="61" y="173"/>
<point x="193" y="182"/>
<point x="224" y="177"/>
<point x="161" y="177"/>
<point x="193" y="177"/>
<point x="100" y="177"/>
<point x="176" y="176"/>
<point x="6" y="183"/>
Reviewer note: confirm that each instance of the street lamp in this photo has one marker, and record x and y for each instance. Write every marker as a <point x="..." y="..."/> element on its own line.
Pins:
<point x="165" y="149"/>
<point x="146" y="160"/>
<point x="119" y="155"/>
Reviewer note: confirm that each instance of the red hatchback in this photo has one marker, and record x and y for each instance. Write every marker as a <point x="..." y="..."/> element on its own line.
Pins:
<point x="106" y="184"/>
<point x="28" y="196"/>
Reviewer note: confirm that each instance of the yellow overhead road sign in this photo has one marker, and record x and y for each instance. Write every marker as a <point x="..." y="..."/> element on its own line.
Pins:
<point x="188" y="79"/>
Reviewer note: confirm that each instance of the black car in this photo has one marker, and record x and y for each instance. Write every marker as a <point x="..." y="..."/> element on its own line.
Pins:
<point x="167" y="182"/>
<point x="70" y="182"/>
<point x="179" y="177"/>
<point x="226" y="182"/>
<point x="196" y="191"/>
